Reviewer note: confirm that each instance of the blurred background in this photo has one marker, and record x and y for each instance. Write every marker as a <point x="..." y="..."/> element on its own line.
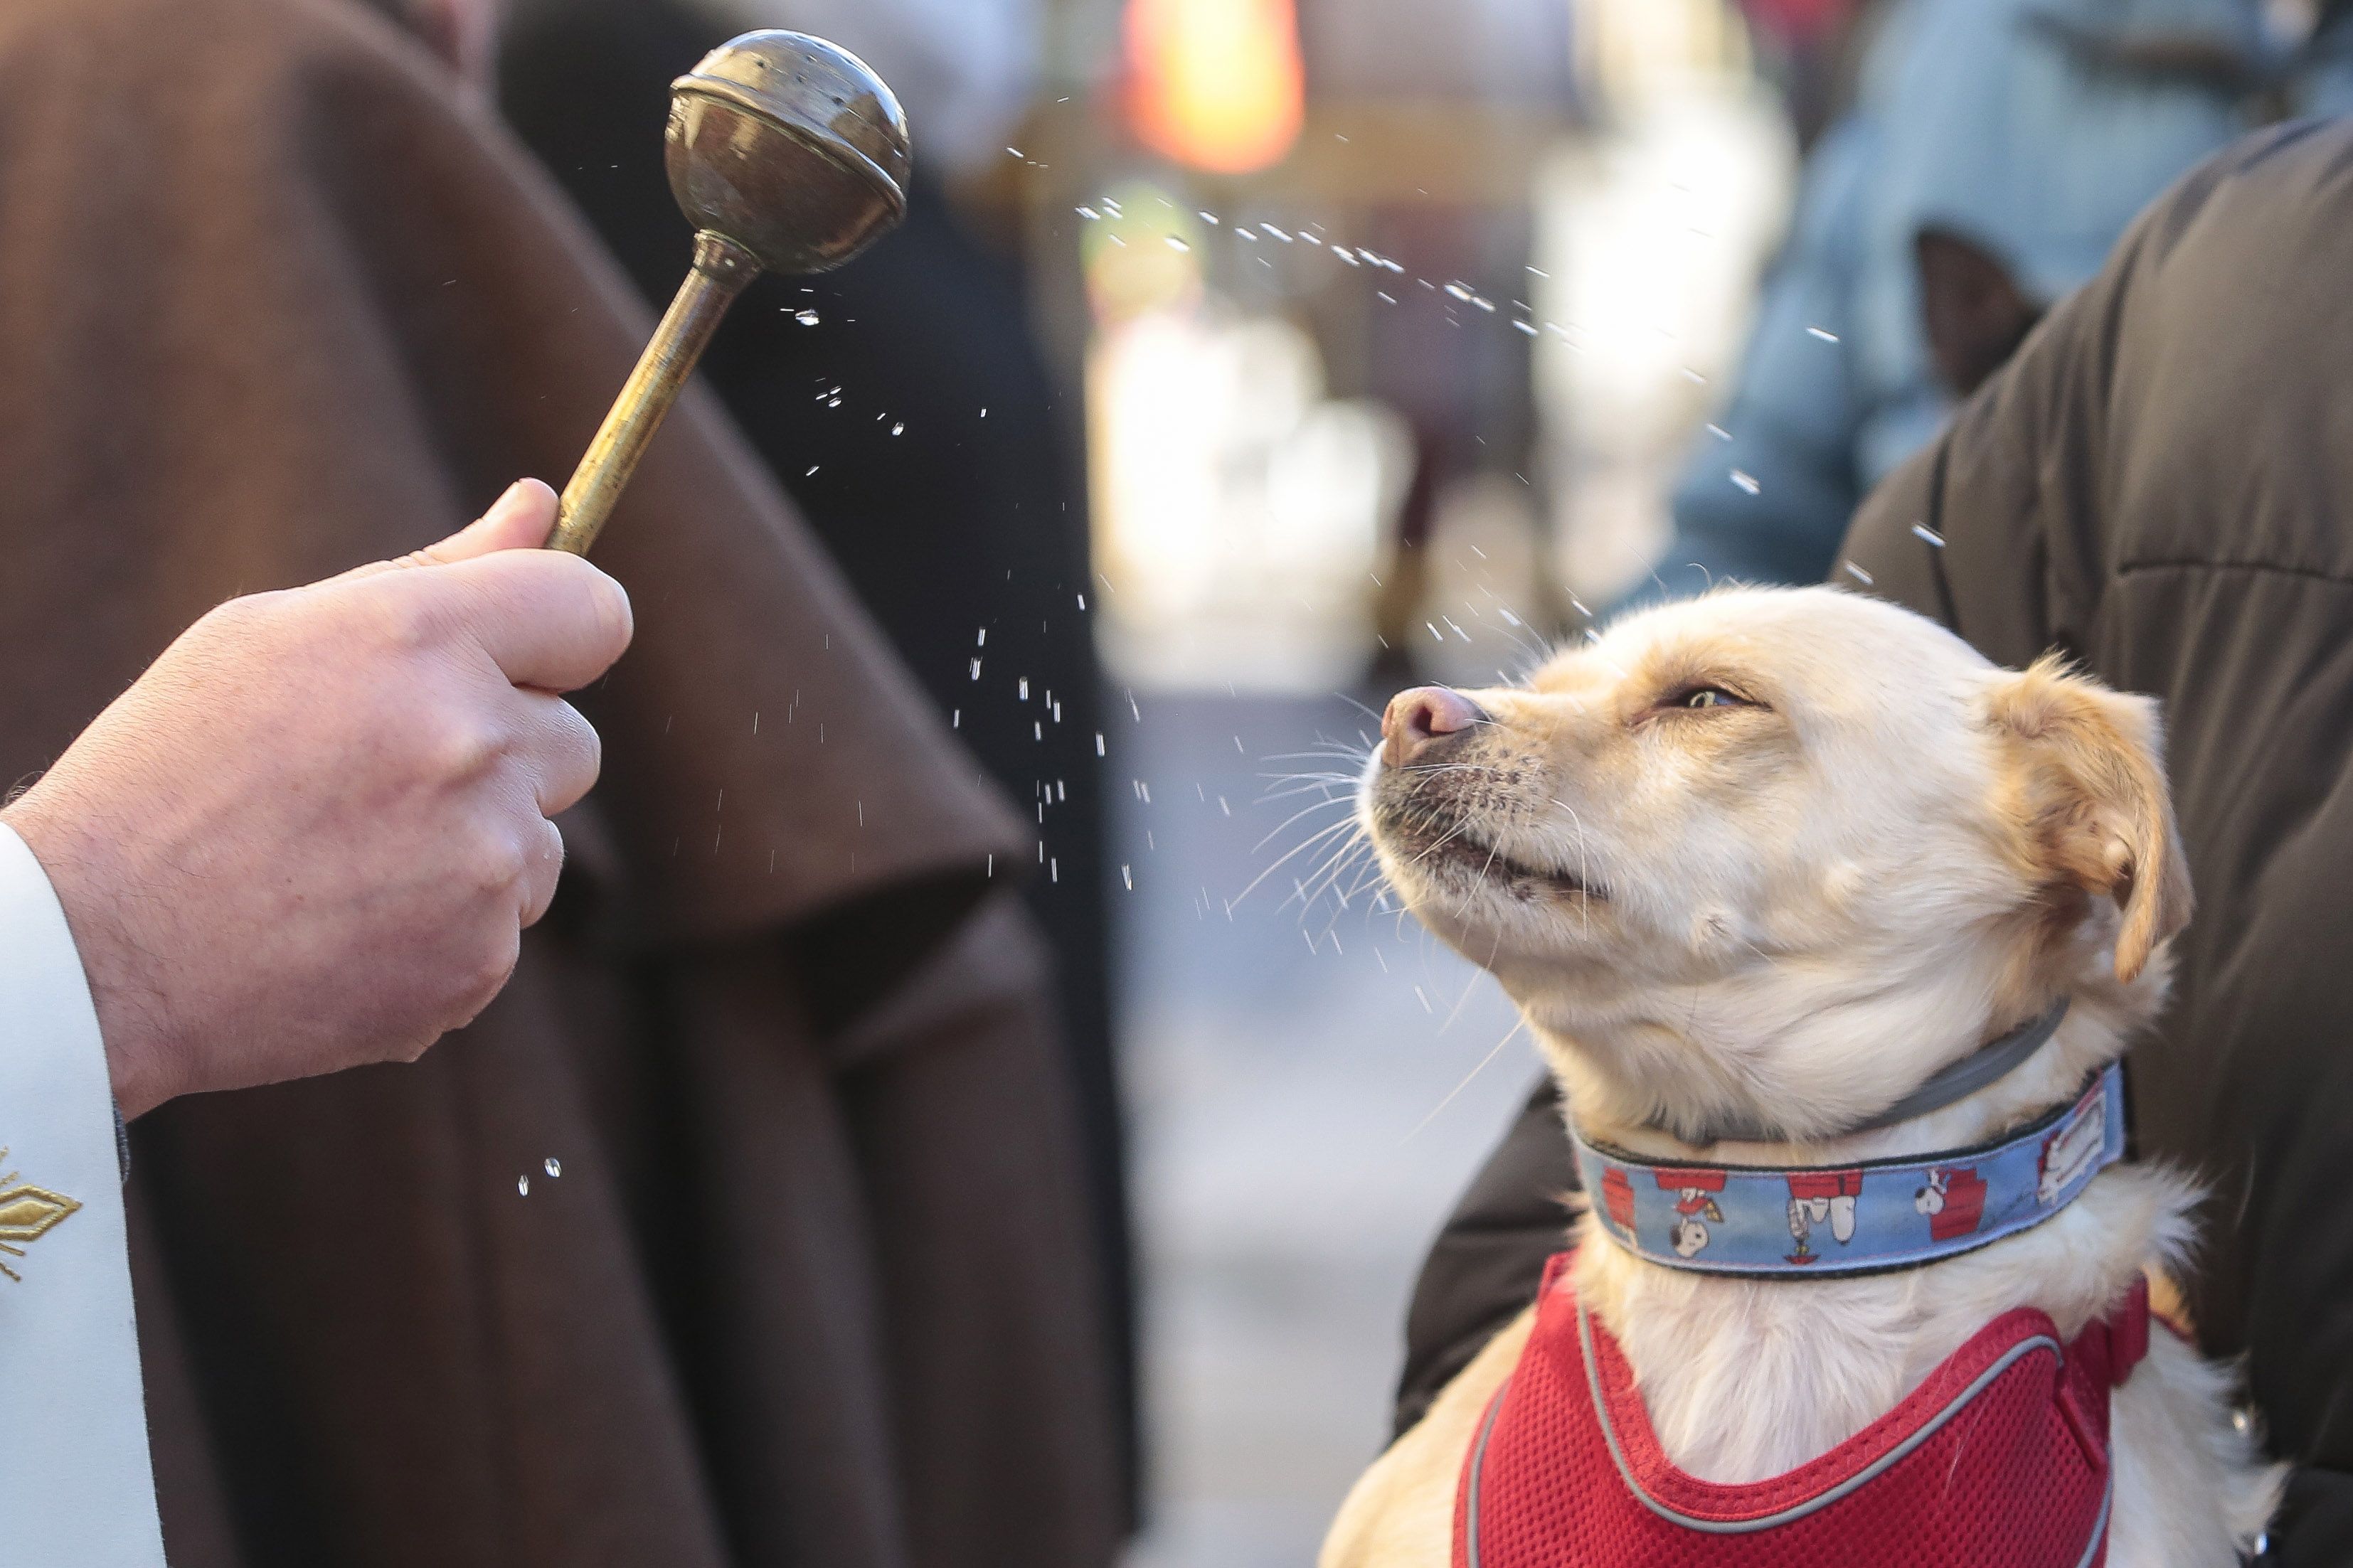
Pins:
<point x="1244" y="360"/>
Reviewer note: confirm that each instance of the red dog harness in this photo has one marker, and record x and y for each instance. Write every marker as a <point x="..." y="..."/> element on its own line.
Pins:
<point x="1998" y="1460"/>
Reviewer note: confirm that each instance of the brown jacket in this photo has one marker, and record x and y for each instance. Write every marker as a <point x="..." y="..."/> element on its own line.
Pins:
<point x="273" y="303"/>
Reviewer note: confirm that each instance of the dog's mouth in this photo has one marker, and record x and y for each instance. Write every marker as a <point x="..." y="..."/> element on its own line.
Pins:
<point x="1436" y="847"/>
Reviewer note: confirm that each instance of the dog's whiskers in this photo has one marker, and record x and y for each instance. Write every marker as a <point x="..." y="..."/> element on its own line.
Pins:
<point x="1447" y="838"/>
<point x="1311" y="841"/>
<point x="1303" y="892"/>
<point x="1496" y="1051"/>
<point x="1583" y="878"/>
<point x="1302" y="811"/>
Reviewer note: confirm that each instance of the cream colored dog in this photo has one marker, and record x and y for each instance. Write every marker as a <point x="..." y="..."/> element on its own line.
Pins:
<point x="1781" y="855"/>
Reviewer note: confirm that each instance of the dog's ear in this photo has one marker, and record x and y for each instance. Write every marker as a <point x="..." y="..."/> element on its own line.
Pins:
<point x="2085" y="780"/>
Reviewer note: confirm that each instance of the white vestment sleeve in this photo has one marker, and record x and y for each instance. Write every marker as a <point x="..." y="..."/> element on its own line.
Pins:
<point x="77" y="1490"/>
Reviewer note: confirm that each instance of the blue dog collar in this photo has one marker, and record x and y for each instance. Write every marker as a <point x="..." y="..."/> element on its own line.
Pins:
<point x="1825" y="1220"/>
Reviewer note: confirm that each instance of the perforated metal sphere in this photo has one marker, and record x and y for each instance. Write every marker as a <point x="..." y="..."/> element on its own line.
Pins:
<point x="790" y="146"/>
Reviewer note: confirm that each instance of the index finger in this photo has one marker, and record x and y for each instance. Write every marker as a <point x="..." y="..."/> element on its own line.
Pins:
<point x="549" y="620"/>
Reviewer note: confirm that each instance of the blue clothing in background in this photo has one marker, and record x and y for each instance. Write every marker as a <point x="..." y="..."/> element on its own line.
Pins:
<point x="2021" y="125"/>
<point x="2324" y="81"/>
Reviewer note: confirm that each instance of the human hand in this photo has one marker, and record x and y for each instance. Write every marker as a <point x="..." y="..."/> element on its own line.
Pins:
<point x="310" y="836"/>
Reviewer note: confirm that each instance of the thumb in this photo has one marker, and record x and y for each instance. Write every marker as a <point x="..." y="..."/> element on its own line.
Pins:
<point x="521" y="518"/>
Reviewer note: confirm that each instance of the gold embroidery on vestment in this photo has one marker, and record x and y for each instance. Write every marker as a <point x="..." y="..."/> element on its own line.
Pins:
<point x="27" y="1215"/>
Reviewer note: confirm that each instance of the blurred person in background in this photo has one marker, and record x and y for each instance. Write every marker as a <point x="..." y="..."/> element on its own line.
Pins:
<point x="905" y="405"/>
<point x="1482" y="76"/>
<point x="1802" y="48"/>
<point x="2322" y="67"/>
<point x="743" y="1226"/>
<point x="1995" y="151"/>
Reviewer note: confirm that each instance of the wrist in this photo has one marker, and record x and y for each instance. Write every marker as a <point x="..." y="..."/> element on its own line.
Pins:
<point x="80" y="864"/>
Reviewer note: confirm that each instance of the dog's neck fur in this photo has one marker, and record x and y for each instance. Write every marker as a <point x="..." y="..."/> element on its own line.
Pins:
<point x="1745" y="1379"/>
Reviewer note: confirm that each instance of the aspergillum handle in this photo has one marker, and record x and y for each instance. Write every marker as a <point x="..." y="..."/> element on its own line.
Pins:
<point x="722" y="269"/>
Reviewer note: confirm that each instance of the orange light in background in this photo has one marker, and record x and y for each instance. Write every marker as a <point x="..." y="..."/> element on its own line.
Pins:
<point x="1216" y="84"/>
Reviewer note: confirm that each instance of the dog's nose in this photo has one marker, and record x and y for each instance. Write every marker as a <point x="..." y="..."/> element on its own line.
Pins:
<point x="1419" y="718"/>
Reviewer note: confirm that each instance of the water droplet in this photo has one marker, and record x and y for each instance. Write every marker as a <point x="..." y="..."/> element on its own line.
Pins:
<point x="1276" y="232"/>
<point x="1024" y="684"/>
<point x="1099" y="743"/>
<point x="1127" y="875"/>
<point x="1928" y="535"/>
<point x="522" y="1184"/>
<point x="898" y="429"/>
<point x="975" y="670"/>
<point x="805" y="318"/>
<point x="1090" y="214"/>
<point x="1209" y="218"/>
<point x="1459" y="292"/>
<point x="1859" y="575"/>
<point x="1746" y="481"/>
<point x="1719" y="432"/>
<point x="1527" y="327"/>
<point x="1177" y="244"/>
<point x="1827" y="336"/>
<point x="552" y="1166"/>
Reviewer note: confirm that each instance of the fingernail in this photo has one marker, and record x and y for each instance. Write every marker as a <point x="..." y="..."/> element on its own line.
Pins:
<point x="509" y="499"/>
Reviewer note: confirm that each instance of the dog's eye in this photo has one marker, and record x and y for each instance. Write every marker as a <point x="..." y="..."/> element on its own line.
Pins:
<point x="1696" y="696"/>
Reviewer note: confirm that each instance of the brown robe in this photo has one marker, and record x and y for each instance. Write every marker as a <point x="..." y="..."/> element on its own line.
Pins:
<point x="812" y="1285"/>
